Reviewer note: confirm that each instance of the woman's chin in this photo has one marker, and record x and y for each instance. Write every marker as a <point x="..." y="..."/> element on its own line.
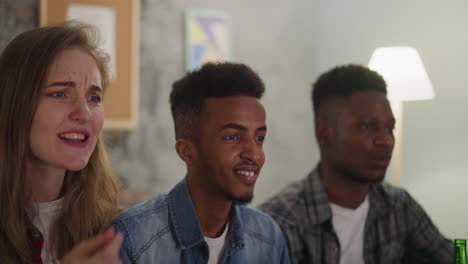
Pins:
<point x="76" y="165"/>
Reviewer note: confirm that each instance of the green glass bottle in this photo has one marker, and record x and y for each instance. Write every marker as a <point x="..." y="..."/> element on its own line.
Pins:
<point x="460" y="251"/>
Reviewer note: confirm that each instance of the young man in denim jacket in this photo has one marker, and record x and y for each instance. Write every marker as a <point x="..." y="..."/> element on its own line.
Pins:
<point x="219" y="130"/>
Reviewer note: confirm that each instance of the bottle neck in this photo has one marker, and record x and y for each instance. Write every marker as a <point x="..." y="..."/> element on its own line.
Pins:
<point x="460" y="252"/>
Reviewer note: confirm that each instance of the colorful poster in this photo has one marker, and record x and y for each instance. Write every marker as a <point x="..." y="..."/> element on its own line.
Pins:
<point x="208" y="37"/>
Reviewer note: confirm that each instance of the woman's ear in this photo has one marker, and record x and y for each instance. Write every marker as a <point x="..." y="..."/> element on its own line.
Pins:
<point x="186" y="150"/>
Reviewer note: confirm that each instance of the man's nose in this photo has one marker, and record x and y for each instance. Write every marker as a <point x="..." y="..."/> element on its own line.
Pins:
<point x="385" y="138"/>
<point x="252" y="151"/>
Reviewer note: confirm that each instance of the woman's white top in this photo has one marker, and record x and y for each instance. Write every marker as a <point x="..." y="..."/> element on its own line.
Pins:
<point x="46" y="214"/>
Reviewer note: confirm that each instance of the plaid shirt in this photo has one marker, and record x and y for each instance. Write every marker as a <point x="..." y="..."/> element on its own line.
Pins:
<point x="36" y="241"/>
<point x="397" y="230"/>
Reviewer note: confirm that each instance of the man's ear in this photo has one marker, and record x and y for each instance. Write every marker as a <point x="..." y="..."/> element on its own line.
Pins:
<point x="322" y="130"/>
<point x="186" y="150"/>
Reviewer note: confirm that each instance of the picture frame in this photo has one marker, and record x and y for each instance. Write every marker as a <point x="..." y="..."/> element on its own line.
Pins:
<point x="118" y="22"/>
<point x="208" y="37"/>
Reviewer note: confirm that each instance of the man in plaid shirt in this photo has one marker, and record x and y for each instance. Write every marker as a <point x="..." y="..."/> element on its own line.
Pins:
<point x="342" y="212"/>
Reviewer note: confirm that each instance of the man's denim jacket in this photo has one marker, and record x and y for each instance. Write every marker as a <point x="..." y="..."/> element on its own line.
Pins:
<point x="166" y="230"/>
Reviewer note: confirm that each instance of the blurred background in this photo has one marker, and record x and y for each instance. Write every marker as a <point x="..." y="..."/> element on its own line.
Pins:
<point x="290" y="43"/>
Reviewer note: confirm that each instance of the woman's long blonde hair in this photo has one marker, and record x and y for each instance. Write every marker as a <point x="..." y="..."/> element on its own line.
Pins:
<point x="90" y="195"/>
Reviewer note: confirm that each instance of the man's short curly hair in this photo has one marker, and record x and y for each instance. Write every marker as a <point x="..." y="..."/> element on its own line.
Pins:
<point x="343" y="81"/>
<point x="219" y="79"/>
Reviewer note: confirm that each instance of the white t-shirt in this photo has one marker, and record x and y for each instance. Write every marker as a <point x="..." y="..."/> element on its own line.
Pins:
<point x="47" y="212"/>
<point x="216" y="246"/>
<point x="349" y="226"/>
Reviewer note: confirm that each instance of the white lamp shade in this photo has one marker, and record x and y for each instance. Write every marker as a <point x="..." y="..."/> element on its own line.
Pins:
<point x="404" y="73"/>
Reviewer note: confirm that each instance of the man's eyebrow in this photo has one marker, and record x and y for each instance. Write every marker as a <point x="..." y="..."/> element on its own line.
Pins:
<point x="262" y="128"/>
<point x="233" y="126"/>
<point x="240" y="127"/>
<point x="372" y="118"/>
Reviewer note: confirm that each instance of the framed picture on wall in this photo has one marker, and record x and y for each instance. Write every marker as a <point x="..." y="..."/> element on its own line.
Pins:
<point x="208" y="36"/>
<point x="118" y="23"/>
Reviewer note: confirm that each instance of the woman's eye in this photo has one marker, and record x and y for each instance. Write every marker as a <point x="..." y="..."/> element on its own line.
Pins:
<point x="95" y="99"/>
<point x="57" y="94"/>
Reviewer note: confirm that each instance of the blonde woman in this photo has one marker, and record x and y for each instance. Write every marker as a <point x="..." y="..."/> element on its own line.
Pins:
<point x="57" y="190"/>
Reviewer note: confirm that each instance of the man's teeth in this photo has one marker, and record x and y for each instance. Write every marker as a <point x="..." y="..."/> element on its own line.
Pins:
<point x="247" y="173"/>
<point x="73" y="136"/>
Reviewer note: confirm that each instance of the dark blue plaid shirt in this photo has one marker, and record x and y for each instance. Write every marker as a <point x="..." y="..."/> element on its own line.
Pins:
<point x="397" y="230"/>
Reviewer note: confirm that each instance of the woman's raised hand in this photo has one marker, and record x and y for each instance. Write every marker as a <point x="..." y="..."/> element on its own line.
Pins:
<point x="103" y="248"/>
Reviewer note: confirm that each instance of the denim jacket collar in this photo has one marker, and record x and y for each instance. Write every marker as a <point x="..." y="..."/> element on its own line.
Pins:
<point x="235" y="238"/>
<point x="187" y="228"/>
<point x="184" y="217"/>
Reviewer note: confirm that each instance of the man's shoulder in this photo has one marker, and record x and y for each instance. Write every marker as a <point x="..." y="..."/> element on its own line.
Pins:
<point x="251" y="217"/>
<point x="259" y="225"/>
<point x="392" y="196"/>
<point x="288" y="206"/>
<point x="151" y="212"/>
<point x="144" y="226"/>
